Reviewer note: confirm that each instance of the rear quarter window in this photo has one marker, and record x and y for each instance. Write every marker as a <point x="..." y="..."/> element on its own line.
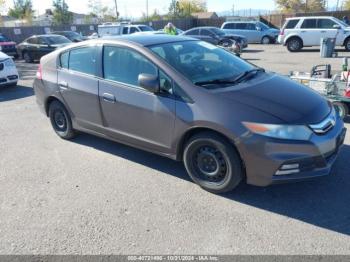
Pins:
<point x="291" y="24"/>
<point x="64" y="60"/>
<point x="229" y="26"/>
<point x="83" y="60"/>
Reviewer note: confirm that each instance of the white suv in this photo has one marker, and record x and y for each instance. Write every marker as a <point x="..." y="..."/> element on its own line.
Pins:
<point x="299" y="32"/>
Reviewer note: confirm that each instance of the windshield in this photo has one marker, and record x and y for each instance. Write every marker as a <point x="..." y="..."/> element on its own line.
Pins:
<point x="145" y="28"/>
<point x="341" y="22"/>
<point x="3" y="39"/>
<point x="200" y="61"/>
<point x="58" y="40"/>
<point x="217" y="31"/>
<point x="263" y="26"/>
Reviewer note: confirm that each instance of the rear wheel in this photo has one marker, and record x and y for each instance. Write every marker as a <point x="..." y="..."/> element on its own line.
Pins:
<point x="27" y="57"/>
<point x="213" y="163"/>
<point x="294" y="45"/>
<point x="347" y="44"/>
<point x="266" y="40"/>
<point x="61" y="121"/>
<point x="341" y="108"/>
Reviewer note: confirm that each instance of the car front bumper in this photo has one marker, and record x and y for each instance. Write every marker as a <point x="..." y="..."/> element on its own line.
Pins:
<point x="9" y="75"/>
<point x="264" y="157"/>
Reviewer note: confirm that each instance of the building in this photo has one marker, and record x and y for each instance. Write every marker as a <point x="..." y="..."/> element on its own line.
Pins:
<point x="205" y="15"/>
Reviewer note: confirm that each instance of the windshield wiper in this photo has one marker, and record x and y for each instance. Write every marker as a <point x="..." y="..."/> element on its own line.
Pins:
<point x="234" y="81"/>
<point x="245" y="75"/>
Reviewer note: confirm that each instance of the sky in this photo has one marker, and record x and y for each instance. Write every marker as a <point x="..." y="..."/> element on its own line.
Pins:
<point x="135" y="8"/>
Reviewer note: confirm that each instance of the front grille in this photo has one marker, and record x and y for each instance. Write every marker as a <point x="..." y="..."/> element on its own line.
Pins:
<point x="326" y="125"/>
<point x="13" y="77"/>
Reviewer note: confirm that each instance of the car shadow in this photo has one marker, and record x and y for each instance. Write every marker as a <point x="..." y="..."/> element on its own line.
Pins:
<point x="252" y="51"/>
<point x="322" y="202"/>
<point x="8" y="93"/>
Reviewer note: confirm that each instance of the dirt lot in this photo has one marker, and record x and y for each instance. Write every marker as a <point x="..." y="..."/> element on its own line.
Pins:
<point x="92" y="196"/>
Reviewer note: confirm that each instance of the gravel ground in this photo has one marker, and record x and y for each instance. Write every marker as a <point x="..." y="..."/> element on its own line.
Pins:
<point x="92" y="196"/>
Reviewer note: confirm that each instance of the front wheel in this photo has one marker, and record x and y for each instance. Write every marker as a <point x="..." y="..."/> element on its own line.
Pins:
<point x="266" y="40"/>
<point x="213" y="163"/>
<point x="294" y="45"/>
<point x="347" y="44"/>
<point x="61" y="121"/>
<point x="342" y="109"/>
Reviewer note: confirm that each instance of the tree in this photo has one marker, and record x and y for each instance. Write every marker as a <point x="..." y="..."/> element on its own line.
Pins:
<point x="61" y="13"/>
<point x="184" y="8"/>
<point x="346" y="5"/>
<point x="294" y="6"/>
<point x="188" y="7"/>
<point x="155" y="16"/>
<point x="174" y="9"/>
<point x="22" y="9"/>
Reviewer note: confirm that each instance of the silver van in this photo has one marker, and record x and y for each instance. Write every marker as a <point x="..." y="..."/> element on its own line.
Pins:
<point x="254" y="31"/>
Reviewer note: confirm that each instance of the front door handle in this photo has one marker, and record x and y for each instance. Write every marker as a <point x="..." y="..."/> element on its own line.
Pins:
<point x="108" y="98"/>
<point x="63" y="85"/>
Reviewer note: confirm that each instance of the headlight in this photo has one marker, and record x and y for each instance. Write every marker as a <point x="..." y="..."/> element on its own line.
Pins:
<point x="291" y="132"/>
<point x="9" y="62"/>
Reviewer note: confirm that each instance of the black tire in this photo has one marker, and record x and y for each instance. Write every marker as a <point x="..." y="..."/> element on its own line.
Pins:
<point x="266" y="40"/>
<point x="347" y="44"/>
<point x="27" y="57"/>
<point x="342" y="108"/>
<point x="226" y="43"/>
<point x="61" y="120"/>
<point x="16" y="56"/>
<point x="213" y="163"/>
<point x="294" y="44"/>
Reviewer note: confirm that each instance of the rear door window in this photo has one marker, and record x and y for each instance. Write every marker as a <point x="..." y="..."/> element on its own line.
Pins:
<point x="291" y="24"/>
<point x="206" y="32"/>
<point x="133" y="30"/>
<point x="250" y="26"/>
<point x="32" y="40"/>
<point x="83" y="60"/>
<point x="242" y="26"/>
<point x="309" y="24"/>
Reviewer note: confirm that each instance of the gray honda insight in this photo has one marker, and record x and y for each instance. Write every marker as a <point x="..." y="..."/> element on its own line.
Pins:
<point x="188" y="100"/>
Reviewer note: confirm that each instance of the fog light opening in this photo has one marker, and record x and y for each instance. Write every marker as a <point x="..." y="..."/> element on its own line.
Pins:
<point x="288" y="169"/>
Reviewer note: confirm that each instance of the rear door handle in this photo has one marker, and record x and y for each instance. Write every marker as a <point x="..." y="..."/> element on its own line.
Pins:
<point x="108" y="98"/>
<point x="323" y="31"/>
<point x="63" y="85"/>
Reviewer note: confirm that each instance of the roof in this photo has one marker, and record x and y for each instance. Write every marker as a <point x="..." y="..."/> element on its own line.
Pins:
<point x="150" y="39"/>
<point x="204" y="15"/>
<point x="311" y="17"/>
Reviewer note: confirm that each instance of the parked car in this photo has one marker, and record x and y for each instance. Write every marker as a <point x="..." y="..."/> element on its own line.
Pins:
<point x="178" y="31"/>
<point x="299" y="32"/>
<point x="7" y="46"/>
<point x="34" y="47"/>
<point x="71" y="35"/>
<point x="216" y="36"/>
<point x="8" y="71"/>
<point x="115" y="29"/>
<point x="190" y="100"/>
<point x="255" y="32"/>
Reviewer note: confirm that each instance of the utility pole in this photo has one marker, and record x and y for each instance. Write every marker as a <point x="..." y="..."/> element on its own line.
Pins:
<point x="147" y="10"/>
<point x="116" y="9"/>
<point x="336" y="9"/>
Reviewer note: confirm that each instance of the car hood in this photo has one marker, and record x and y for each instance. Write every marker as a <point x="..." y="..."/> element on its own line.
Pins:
<point x="3" y="56"/>
<point x="273" y="30"/>
<point x="280" y="97"/>
<point x="7" y="43"/>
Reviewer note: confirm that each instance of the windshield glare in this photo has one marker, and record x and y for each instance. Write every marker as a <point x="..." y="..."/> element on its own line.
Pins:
<point x="146" y="28"/>
<point x="58" y="40"/>
<point x="201" y="62"/>
<point x="3" y="39"/>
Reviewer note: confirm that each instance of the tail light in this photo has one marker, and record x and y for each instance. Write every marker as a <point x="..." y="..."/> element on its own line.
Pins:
<point x="347" y="92"/>
<point x="39" y="73"/>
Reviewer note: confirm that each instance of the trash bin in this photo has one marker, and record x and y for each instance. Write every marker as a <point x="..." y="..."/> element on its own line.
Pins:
<point x="327" y="47"/>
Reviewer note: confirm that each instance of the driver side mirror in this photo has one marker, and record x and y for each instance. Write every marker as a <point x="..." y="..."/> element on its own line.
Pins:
<point x="149" y="82"/>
